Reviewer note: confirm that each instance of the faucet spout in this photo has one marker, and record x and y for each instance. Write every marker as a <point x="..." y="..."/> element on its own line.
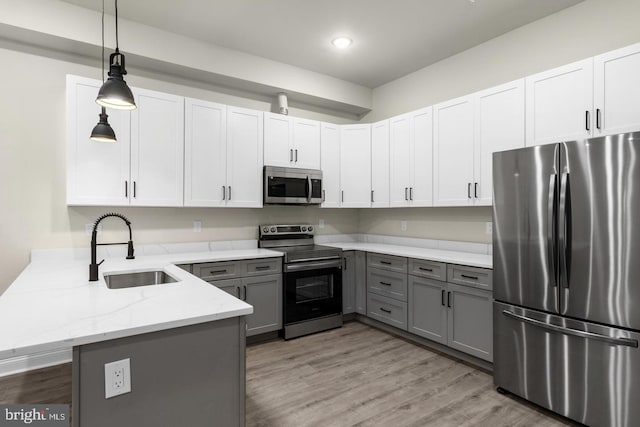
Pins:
<point x="93" y="267"/>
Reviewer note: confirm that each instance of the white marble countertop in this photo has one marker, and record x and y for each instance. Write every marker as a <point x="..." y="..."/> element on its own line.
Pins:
<point x="52" y="305"/>
<point x="440" y="255"/>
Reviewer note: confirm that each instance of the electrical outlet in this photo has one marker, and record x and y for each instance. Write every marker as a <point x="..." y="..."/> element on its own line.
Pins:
<point x="489" y="228"/>
<point x="403" y="225"/>
<point x="88" y="229"/>
<point x="117" y="378"/>
<point x="197" y="226"/>
<point x="321" y="223"/>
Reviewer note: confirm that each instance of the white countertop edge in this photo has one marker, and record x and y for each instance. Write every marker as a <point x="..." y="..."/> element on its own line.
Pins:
<point x="439" y="255"/>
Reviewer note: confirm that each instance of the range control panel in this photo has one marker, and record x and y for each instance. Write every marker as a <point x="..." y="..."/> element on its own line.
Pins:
<point x="275" y="230"/>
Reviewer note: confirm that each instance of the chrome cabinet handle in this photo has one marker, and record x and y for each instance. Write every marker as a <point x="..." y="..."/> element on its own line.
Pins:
<point x="598" y="118"/>
<point x="296" y="155"/>
<point x="575" y="332"/>
<point x="134" y="189"/>
<point x="410" y="193"/>
<point x="371" y="196"/>
<point x="229" y="193"/>
<point x="588" y="120"/>
<point x="475" y="190"/>
<point x="469" y="190"/>
<point x="291" y="154"/>
<point x="405" y="193"/>
<point x="224" y="192"/>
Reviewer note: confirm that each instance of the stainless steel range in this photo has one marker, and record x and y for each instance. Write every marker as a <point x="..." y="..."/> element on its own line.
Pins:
<point x="312" y="279"/>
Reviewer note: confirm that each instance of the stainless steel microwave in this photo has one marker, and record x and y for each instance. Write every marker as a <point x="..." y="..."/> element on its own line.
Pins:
<point x="292" y="186"/>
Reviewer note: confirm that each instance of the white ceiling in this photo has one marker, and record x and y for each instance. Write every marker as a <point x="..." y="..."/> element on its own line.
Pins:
<point x="392" y="38"/>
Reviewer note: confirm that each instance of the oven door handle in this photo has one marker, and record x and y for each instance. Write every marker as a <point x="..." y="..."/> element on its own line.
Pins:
<point x="336" y="263"/>
<point x="296" y="261"/>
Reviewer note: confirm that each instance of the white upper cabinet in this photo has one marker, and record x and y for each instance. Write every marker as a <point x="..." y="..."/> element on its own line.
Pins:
<point x="355" y="166"/>
<point x="291" y="142"/>
<point x="559" y="104"/>
<point x="400" y="160"/>
<point x="411" y="159"/>
<point x="453" y="152"/>
<point x="244" y="158"/>
<point x="380" y="164"/>
<point x="205" y="153"/>
<point x="157" y="149"/>
<point x="330" y="162"/>
<point x="617" y="90"/>
<point x="97" y="172"/>
<point x="499" y="126"/>
<point x="421" y="191"/>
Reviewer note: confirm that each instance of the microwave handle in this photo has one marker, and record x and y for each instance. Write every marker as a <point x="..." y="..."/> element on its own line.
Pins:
<point x="309" y="189"/>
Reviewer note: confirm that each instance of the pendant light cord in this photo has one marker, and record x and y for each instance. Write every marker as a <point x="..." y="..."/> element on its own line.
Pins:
<point x="116" y="25"/>
<point x="102" y="42"/>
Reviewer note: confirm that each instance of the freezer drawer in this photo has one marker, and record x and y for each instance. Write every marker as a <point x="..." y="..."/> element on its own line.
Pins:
<point x="586" y="372"/>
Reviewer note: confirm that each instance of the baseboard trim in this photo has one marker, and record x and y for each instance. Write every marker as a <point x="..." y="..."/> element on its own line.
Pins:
<point x="443" y="349"/>
<point x="16" y="365"/>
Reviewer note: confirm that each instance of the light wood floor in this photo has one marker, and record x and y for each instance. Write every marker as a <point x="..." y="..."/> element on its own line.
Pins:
<point x="360" y="376"/>
<point x="352" y="376"/>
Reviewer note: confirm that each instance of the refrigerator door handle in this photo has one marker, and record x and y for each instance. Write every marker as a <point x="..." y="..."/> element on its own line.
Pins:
<point x="564" y="239"/>
<point x="552" y="207"/>
<point x="574" y="332"/>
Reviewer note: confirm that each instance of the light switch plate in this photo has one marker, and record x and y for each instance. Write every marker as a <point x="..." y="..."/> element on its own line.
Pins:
<point x="117" y="378"/>
<point x="197" y="226"/>
<point x="489" y="228"/>
<point x="403" y="225"/>
<point x="321" y="223"/>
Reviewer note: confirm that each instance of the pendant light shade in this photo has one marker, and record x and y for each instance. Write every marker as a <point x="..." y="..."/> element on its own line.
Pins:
<point x="103" y="132"/>
<point x="115" y="93"/>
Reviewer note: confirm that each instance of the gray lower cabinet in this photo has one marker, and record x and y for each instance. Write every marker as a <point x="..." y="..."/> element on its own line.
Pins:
<point x="354" y="286"/>
<point x="387" y="283"/>
<point x="256" y="281"/>
<point x="387" y="310"/>
<point x="428" y="308"/>
<point x="470" y="321"/>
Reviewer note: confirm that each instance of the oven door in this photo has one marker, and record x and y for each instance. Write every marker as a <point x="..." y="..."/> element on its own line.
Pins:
<point x="292" y="186"/>
<point x="312" y="289"/>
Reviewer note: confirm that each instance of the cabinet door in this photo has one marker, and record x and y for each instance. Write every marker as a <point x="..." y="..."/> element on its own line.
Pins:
<point x="361" y="282"/>
<point x="400" y="160"/>
<point x="617" y="90"/>
<point x="306" y="143"/>
<point x="355" y="166"/>
<point x="330" y="162"/>
<point x="264" y="293"/>
<point x="428" y="309"/>
<point x="499" y="126"/>
<point x="244" y="158"/>
<point x="97" y="172"/>
<point x="380" y="164"/>
<point x="348" y="282"/>
<point x="277" y="140"/>
<point x="205" y="153"/>
<point x="470" y="321"/>
<point x="453" y="152"/>
<point x="421" y="191"/>
<point x="230" y="286"/>
<point x="559" y="103"/>
<point x="157" y="149"/>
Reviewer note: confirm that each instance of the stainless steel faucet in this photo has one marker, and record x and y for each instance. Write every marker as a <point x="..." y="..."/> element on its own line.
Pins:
<point x="93" y="267"/>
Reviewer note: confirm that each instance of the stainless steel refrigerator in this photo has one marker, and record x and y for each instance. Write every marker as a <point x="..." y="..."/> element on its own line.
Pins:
<point x="566" y="269"/>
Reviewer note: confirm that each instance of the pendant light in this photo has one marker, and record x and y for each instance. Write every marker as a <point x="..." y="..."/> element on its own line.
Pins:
<point x="103" y="132"/>
<point x="115" y="93"/>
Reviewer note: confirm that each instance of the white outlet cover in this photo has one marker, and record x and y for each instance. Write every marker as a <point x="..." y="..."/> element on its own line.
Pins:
<point x="117" y="378"/>
<point x="197" y="226"/>
<point x="321" y="223"/>
<point x="489" y="227"/>
<point x="403" y="225"/>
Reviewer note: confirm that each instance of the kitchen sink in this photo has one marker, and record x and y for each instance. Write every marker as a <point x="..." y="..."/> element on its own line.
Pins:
<point x="143" y="278"/>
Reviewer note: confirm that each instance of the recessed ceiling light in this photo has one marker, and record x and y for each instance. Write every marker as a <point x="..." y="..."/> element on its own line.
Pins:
<point x="342" y="42"/>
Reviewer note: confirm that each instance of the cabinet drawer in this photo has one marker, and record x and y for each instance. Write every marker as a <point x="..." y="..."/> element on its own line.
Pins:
<point x="387" y="262"/>
<point x="387" y="283"/>
<point x="430" y="269"/>
<point x="387" y="310"/>
<point x="257" y="267"/>
<point x="217" y="270"/>
<point x="480" y="278"/>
